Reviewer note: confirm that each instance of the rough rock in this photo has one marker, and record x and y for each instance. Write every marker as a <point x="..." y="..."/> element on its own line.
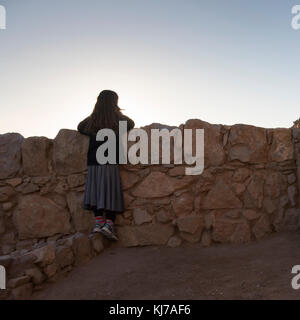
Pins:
<point x="127" y="199"/>
<point x="121" y="220"/>
<point x="233" y="213"/>
<point x="238" y="188"/>
<point x="177" y="171"/>
<point x="64" y="256"/>
<point x="269" y="205"/>
<point x="82" y="248"/>
<point x="206" y="239"/>
<point x="6" y="193"/>
<point x="192" y="238"/>
<point x="256" y="189"/>
<point x="174" y="242"/>
<point x="149" y="234"/>
<point x="44" y="255"/>
<point x="41" y="181"/>
<point x="83" y="220"/>
<point x="292" y="193"/>
<point x="6" y="261"/>
<point x="10" y="154"/>
<point x="190" y="224"/>
<point x="26" y="244"/>
<point x="36" y="156"/>
<point x="17" y="282"/>
<point x="163" y="215"/>
<point x="183" y="204"/>
<point x="292" y="178"/>
<point x="221" y="196"/>
<point x="129" y="179"/>
<point x="247" y="144"/>
<point x="141" y="216"/>
<point x="241" y="174"/>
<point x="291" y="219"/>
<point x="242" y="233"/>
<point x="223" y="228"/>
<point x="50" y="270"/>
<point x="158" y="184"/>
<point x="20" y="264"/>
<point x="27" y="188"/>
<point x="14" y="182"/>
<point x="23" y="292"/>
<point x="284" y="201"/>
<point x="282" y="147"/>
<point x="127" y="236"/>
<point x="97" y="242"/>
<point x="36" y="275"/>
<point x="262" y="227"/>
<point x="7" y="206"/>
<point x="154" y="234"/>
<point x="2" y="225"/>
<point x="272" y="185"/>
<point x="76" y="180"/>
<point x="40" y="217"/>
<point x="250" y="214"/>
<point x="213" y="145"/>
<point x="69" y="152"/>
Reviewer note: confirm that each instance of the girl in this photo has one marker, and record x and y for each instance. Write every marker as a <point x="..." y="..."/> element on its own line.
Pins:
<point x="103" y="190"/>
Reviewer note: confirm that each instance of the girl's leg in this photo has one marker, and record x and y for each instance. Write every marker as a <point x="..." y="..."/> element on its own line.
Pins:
<point x="99" y="220"/>
<point x="98" y="213"/>
<point x="108" y="229"/>
<point x="110" y="215"/>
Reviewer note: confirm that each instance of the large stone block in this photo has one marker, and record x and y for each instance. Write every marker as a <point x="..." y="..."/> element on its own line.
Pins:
<point x="83" y="220"/>
<point x="291" y="219"/>
<point x="221" y="197"/>
<point x="141" y="216"/>
<point x="64" y="256"/>
<point x="226" y="230"/>
<point x="158" y="184"/>
<point x="150" y="234"/>
<point x="39" y="217"/>
<point x="82" y="248"/>
<point x="273" y="184"/>
<point x="190" y="224"/>
<point x="247" y="144"/>
<point x="69" y="152"/>
<point x="214" y="154"/>
<point x="262" y="227"/>
<point x="183" y="204"/>
<point x="10" y="154"/>
<point x="36" y="156"/>
<point x="256" y="189"/>
<point x="223" y="228"/>
<point x="44" y="255"/>
<point x="242" y="233"/>
<point x="282" y="147"/>
<point x="129" y="179"/>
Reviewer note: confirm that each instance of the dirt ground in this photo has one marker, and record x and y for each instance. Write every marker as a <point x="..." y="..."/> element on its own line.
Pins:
<point x="259" y="270"/>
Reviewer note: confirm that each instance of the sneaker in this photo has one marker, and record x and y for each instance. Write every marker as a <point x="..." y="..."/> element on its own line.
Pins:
<point x="97" y="228"/>
<point x="108" y="231"/>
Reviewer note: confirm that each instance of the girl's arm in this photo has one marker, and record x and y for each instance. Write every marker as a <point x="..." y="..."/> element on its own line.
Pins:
<point x="82" y="126"/>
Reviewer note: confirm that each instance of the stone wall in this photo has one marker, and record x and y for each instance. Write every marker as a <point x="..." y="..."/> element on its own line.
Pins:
<point x="249" y="189"/>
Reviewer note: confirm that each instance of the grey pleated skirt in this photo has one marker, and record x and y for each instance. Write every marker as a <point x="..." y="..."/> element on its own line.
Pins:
<point x="103" y="189"/>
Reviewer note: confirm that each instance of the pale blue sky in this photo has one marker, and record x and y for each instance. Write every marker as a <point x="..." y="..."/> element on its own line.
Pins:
<point x="232" y="61"/>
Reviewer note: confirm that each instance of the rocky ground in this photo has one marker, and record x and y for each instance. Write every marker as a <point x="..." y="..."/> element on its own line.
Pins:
<point x="258" y="270"/>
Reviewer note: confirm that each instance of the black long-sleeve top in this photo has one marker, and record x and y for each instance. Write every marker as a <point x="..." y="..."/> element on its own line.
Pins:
<point x="94" y="144"/>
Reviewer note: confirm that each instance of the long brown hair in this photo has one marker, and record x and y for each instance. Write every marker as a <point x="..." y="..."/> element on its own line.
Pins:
<point x="106" y="113"/>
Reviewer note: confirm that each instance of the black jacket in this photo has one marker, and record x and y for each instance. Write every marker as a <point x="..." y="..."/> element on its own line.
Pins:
<point x="94" y="145"/>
